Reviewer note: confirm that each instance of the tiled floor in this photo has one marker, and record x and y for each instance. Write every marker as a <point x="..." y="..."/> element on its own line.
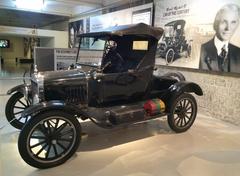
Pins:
<point x="211" y="147"/>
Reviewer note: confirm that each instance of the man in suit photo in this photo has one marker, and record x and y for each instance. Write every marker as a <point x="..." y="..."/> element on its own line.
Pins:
<point x="218" y="54"/>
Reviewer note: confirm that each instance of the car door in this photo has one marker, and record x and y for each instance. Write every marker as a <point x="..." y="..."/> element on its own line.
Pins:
<point x="120" y="86"/>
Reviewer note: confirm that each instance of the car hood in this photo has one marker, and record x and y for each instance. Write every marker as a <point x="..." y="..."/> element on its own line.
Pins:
<point x="62" y="75"/>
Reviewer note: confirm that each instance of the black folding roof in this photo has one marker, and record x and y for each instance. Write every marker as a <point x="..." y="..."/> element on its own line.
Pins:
<point x="175" y="23"/>
<point x="133" y="29"/>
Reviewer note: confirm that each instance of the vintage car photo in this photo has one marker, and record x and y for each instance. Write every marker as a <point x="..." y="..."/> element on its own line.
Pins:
<point x="173" y="44"/>
<point x="121" y="90"/>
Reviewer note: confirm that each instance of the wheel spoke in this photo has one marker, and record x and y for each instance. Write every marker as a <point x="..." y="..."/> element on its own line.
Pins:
<point x="49" y="127"/>
<point x="18" y="107"/>
<point x="64" y="148"/>
<point x="55" y="150"/>
<point x="38" y="137"/>
<point x="56" y="124"/>
<point x="178" y="121"/>
<point x="18" y="112"/>
<point x="26" y="119"/>
<point x="18" y="119"/>
<point x="64" y="139"/>
<point x="41" y="149"/>
<point x="188" y="108"/>
<point x="184" y="103"/>
<point x="181" y="124"/>
<point x="35" y="145"/>
<point x="187" y="120"/>
<point x="22" y="103"/>
<point x="65" y="133"/>
<point x="59" y="129"/>
<point x="180" y="103"/>
<point x="187" y="117"/>
<point x="184" y="119"/>
<point x="187" y="104"/>
<point x="176" y="117"/>
<point x="49" y="124"/>
<point x="28" y="103"/>
<point x="43" y="129"/>
<point x="48" y="151"/>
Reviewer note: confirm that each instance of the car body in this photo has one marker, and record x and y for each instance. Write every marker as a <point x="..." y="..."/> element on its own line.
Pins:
<point x="121" y="90"/>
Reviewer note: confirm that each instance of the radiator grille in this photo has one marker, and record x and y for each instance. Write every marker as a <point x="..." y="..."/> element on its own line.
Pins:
<point x="76" y="94"/>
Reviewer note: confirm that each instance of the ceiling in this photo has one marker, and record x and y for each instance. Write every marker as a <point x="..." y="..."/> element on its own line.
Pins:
<point x="54" y="11"/>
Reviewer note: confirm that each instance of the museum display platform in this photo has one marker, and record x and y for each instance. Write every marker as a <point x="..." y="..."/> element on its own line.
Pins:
<point x="210" y="147"/>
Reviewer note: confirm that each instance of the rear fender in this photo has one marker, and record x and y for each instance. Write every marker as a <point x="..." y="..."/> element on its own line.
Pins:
<point x="184" y="86"/>
<point x="54" y="105"/>
<point x="179" y="88"/>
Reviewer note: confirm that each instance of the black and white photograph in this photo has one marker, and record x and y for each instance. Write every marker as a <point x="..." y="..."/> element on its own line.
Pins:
<point x="219" y="54"/>
<point x="199" y="36"/>
<point x="177" y="46"/>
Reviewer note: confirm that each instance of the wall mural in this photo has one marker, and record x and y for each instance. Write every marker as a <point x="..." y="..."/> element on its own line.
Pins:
<point x="199" y="34"/>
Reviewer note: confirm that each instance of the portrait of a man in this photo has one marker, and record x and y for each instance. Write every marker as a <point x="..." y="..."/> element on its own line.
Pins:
<point x="219" y="54"/>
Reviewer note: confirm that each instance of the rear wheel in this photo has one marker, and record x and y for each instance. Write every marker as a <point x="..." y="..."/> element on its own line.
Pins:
<point x="16" y="104"/>
<point x="49" y="139"/>
<point x="183" y="113"/>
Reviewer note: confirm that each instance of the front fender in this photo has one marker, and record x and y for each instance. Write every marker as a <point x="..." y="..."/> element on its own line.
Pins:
<point x="53" y="105"/>
<point x="20" y="88"/>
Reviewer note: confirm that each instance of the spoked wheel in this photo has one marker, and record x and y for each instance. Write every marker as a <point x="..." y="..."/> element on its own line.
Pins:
<point x="182" y="113"/>
<point x="14" y="107"/>
<point x="49" y="139"/>
<point x="169" y="56"/>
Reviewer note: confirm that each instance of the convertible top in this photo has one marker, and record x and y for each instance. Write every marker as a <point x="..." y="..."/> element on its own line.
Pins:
<point x="133" y="29"/>
<point x="175" y="23"/>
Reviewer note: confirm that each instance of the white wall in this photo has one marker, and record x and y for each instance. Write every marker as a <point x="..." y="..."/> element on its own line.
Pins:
<point x="16" y="48"/>
<point x="47" y="42"/>
<point x="60" y="37"/>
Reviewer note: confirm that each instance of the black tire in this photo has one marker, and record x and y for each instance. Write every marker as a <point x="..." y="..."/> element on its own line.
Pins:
<point x="14" y="107"/>
<point x="183" y="113"/>
<point x="170" y="55"/>
<point x="57" y="136"/>
<point x="176" y="75"/>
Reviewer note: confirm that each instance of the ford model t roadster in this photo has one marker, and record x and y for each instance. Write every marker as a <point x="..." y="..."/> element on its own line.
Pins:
<point x="121" y="90"/>
<point x="174" y="44"/>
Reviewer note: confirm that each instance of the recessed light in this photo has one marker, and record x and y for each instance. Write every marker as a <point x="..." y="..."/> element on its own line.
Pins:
<point x="30" y="4"/>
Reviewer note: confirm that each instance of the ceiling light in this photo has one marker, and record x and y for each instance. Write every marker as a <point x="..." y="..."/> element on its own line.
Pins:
<point x="30" y="4"/>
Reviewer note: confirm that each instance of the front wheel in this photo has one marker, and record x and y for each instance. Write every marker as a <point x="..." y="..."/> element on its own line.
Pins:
<point x="183" y="113"/>
<point x="49" y="139"/>
<point x="170" y="56"/>
<point x="16" y="104"/>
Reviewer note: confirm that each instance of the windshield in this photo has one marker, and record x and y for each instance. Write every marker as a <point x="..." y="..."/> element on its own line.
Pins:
<point x="168" y="31"/>
<point x="91" y="51"/>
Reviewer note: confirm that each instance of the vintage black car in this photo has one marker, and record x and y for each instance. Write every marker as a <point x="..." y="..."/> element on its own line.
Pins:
<point x="174" y="44"/>
<point x="121" y="90"/>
